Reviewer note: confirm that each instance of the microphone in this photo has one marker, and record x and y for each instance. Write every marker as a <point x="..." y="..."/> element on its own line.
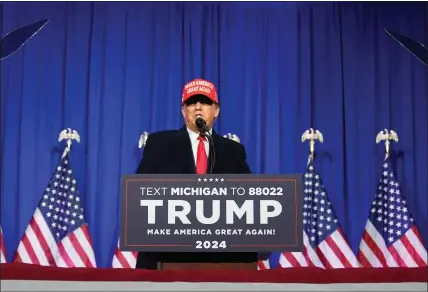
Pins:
<point x="203" y="128"/>
<point x="201" y="124"/>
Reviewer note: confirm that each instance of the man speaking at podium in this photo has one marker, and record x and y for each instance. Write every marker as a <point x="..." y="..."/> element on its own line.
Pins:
<point x="186" y="151"/>
<point x="194" y="149"/>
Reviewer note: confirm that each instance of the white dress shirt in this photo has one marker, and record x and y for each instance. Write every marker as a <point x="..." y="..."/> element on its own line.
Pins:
<point x="195" y="142"/>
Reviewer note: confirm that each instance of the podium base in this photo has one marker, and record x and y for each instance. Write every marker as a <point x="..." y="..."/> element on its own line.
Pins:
<point x="200" y="260"/>
<point x="207" y="266"/>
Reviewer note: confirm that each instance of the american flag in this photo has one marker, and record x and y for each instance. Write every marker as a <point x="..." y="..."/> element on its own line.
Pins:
<point x="124" y="259"/>
<point x="325" y="245"/>
<point x="263" y="265"/>
<point x="391" y="238"/>
<point x="57" y="234"/>
<point x="2" y="248"/>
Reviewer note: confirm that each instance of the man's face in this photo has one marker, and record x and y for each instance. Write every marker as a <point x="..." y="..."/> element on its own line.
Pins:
<point x="199" y="106"/>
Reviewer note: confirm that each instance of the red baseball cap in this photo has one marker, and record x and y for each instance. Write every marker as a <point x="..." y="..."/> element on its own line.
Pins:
<point x="199" y="86"/>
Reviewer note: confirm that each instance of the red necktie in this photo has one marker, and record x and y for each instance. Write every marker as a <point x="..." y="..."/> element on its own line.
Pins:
<point x="201" y="157"/>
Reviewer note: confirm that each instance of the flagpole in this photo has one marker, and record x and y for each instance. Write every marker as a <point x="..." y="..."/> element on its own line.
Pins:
<point x="232" y="137"/>
<point x="120" y="258"/>
<point x="69" y="135"/>
<point x="386" y="136"/>
<point x="312" y="135"/>
<point x="141" y="144"/>
<point x="143" y="140"/>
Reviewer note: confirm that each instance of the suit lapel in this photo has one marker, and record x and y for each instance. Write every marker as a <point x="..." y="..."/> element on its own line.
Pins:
<point x="182" y="148"/>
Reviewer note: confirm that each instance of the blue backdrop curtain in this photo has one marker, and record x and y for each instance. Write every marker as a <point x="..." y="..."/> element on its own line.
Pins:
<point x="113" y="70"/>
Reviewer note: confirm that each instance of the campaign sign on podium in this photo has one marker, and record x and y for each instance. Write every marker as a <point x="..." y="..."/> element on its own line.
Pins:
<point x="207" y="213"/>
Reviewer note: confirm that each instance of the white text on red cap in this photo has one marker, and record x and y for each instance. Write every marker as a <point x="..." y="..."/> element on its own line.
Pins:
<point x="198" y="82"/>
<point x="198" y="88"/>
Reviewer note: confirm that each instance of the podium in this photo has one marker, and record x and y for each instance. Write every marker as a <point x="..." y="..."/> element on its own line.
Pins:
<point x="210" y="222"/>
<point x="209" y="260"/>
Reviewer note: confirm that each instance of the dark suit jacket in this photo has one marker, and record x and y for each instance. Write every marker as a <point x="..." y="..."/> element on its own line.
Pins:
<point x="170" y="152"/>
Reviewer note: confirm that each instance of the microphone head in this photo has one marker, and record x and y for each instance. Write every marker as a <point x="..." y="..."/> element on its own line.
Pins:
<point x="200" y="123"/>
